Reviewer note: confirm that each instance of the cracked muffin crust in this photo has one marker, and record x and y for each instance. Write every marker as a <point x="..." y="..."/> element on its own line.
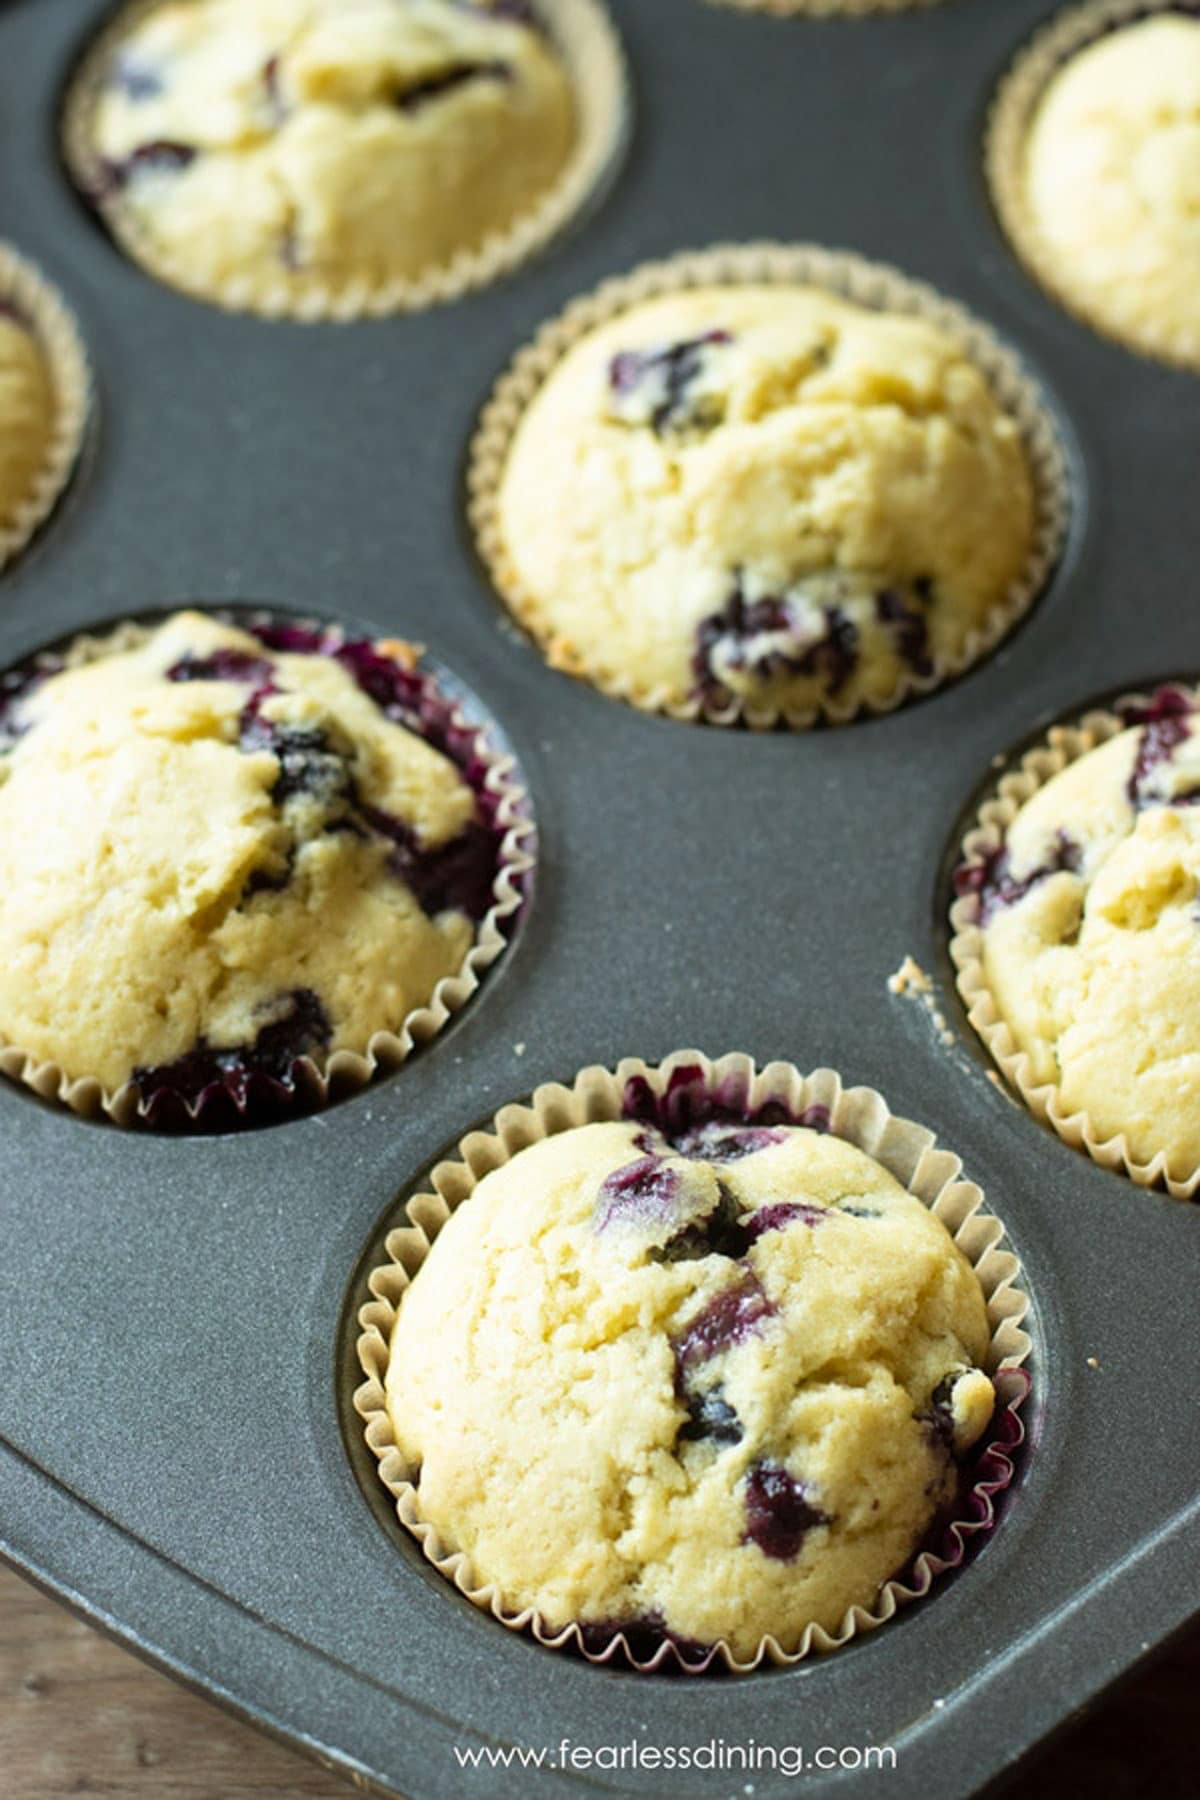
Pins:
<point x="27" y="407"/>
<point x="705" y="1384"/>
<point x="315" y="143"/>
<point x="224" y="850"/>
<point x="1110" y="184"/>
<point x="1090" y="935"/>
<point x="763" y="493"/>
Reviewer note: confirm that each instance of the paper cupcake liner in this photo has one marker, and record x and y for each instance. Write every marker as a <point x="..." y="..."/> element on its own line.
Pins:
<point x="586" y="43"/>
<point x="687" y="1085"/>
<point x="827" y="9"/>
<point x="249" y="1099"/>
<point x="850" y="277"/>
<point x="41" y="308"/>
<point x="1009" y="120"/>
<point x="1064" y="744"/>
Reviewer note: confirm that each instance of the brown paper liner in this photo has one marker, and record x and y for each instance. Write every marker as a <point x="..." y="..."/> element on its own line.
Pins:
<point x="586" y="43"/>
<point x="313" y="1083"/>
<point x="42" y="309"/>
<point x="862" y="1117"/>
<point x="850" y="277"/>
<point x="1011" y="115"/>
<point x="827" y="9"/>
<point x="1064" y="744"/>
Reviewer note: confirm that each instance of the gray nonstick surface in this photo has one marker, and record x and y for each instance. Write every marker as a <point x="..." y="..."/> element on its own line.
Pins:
<point x="176" y="1315"/>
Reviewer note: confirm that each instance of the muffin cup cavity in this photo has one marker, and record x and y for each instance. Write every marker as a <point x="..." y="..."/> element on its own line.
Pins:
<point x="848" y="277"/>
<point x="688" y="1085"/>
<point x="42" y="310"/>
<point x="585" y="41"/>
<point x="247" y="1098"/>
<point x="1064" y="744"/>
<point x="1009" y="120"/>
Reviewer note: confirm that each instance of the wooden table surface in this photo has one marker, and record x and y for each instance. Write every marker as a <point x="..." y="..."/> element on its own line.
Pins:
<point x="80" y="1716"/>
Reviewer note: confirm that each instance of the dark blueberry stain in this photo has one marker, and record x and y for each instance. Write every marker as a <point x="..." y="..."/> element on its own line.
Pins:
<point x="687" y="1104"/>
<point x="716" y="1142"/>
<point x="307" y="763"/>
<point x="645" y="1633"/>
<point x="720" y="1233"/>
<point x="294" y="640"/>
<point x="908" y="629"/>
<point x="1165" y="726"/>
<point x="136" y="79"/>
<point x="859" y="1212"/>
<point x="162" y="156"/>
<point x="673" y="370"/>
<point x="711" y="1419"/>
<point x="830" y="657"/>
<point x="406" y="696"/>
<point x="458" y="875"/>
<point x="731" y="1316"/>
<point x="644" y="1193"/>
<point x="996" y="887"/>
<point x="938" y="1420"/>
<point x="222" y="665"/>
<point x="16" y="686"/>
<point x="779" y="1513"/>
<point x="780" y="1216"/>
<point x="301" y="1030"/>
<point x="262" y="881"/>
<point x="419" y="93"/>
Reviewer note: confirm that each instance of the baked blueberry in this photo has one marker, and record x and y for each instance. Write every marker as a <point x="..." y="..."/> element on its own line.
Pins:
<point x="414" y="95"/>
<point x="908" y="626"/>
<point x="779" y="1513"/>
<point x="710" y="1419"/>
<point x="299" y="1027"/>
<point x="645" y="1192"/>
<point x="666" y="387"/>
<point x="772" y="636"/>
<point x="782" y="1214"/>
<point x="992" y="879"/>
<point x="726" y="1320"/>
<point x="1166" y="726"/>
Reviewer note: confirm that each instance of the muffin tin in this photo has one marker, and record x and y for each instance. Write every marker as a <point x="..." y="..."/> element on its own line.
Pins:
<point x="179" y="1457"/>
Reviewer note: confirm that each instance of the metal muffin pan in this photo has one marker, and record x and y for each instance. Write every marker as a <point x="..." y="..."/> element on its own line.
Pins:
<point x="176" y="1315"/>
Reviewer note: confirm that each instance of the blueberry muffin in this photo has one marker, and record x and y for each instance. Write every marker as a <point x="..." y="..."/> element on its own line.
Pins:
<point x="221" y="851"/>
<point x="27" y="413"/>
<point x="707" y="1387"/>
<point x="1110" y="184"/>
<point x="762" y="495"/>
<point x="1090" y="936"/>
<point x="296" y="144"/>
